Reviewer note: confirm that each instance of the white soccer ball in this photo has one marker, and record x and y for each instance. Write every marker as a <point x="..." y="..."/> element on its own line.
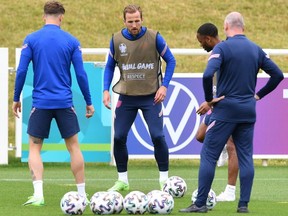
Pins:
<point x="135" y="202"/>
<point x="118" y="202"/>
<point x="102" y="202"/>
<point x="72" y="203"/>
<point x="211" y="199"/>
<point x="151" y="193"/>
<point x="175" y="186"/>
<point x="160" y="202"/>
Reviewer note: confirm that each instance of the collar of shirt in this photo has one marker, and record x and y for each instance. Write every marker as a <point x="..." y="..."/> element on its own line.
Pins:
<point x="236" y="36"/>
<point x="51" y="26"/>
<point x="129" y="36"/>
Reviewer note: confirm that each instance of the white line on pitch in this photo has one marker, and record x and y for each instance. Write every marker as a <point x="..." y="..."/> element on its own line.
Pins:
<point x="132" y="179"/>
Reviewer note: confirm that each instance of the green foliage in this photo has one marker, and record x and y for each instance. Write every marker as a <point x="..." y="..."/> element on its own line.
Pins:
<point x="93" y="22"/>
<point x="269" y="195"/>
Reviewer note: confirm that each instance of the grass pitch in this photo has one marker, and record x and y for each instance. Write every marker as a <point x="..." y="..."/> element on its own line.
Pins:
<point x="93" y="23"/>
<point x="269" y="194"/>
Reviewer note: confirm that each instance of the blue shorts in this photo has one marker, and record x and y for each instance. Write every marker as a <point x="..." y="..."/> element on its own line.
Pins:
<point x="40" y="122"/>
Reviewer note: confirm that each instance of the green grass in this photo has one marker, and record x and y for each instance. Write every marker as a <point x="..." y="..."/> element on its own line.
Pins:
<point x="93" y="23"/>
<point x="269" y="194"/>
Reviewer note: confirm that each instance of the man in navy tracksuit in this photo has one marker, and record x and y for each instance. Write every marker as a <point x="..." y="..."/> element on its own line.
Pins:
<point x="237" y="61"/>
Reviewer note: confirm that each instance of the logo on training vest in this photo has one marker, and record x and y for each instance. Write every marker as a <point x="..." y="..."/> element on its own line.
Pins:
<point x="139" y="66"/>
<point x="134" y="76"/>
<point x="123" y="49"/>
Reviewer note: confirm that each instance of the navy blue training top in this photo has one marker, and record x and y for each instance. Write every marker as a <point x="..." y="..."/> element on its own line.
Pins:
<point x="237" y="62"/>
<point x="162" y="48"/>
<point x="51" y="51"/>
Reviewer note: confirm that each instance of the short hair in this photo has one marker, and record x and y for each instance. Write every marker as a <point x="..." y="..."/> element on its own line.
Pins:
<point x="132" y="9"/>
<point x="235" y="19"/>
<point x="53" y="8"/>
<point x="208" y="29"/>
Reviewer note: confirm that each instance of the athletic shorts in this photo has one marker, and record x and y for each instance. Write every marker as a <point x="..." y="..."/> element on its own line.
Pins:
<point x="40" y="122"/>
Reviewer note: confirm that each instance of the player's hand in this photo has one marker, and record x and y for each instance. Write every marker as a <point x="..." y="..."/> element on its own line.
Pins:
<point x="16" y="107"/>
<point x="106" y="99"/>
<point x="160" y="95"/>
<point x="89" y="111"/>
<point x="206" y="106"/>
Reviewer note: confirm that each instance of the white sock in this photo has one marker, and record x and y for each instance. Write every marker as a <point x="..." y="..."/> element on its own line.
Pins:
<point x="230" y="189"/>
<point x="123" y="176"/>
<point x="38" y="188"/>
<point x="81" y="189"/>
<point x="163" y="176"/>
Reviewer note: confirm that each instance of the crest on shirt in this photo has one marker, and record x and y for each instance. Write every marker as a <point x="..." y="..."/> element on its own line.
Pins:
<point x="213" y="56"/>
<point x="123" y="49"/>
<point x="24" y="46"/>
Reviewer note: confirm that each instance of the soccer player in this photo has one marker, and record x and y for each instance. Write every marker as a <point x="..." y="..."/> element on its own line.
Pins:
<point x="52" y="51"/>
<point x="237" y="62"/>
<point x="207" y="35"/>
<point x="137" y="51"/>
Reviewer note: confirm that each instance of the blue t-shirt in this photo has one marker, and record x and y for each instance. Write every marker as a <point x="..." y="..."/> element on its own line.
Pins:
<point x="237" y="62"/>
<point x="52" y="51"/>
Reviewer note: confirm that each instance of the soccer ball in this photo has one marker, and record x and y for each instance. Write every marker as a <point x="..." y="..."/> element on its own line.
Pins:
<point x="135" y="202"/>
<point x="211" y="199"/>
<point x="102" y="202"/>
<point x="160" y="202"/>
<point x="118" y="201"/>
<point x="72" y="203"/>
<point x="175" y="186"/>
<point x="151" y="193"/>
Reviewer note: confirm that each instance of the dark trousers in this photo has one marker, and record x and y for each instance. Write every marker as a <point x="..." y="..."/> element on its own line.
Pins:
<point x="216" y="138"/>
<point x="125" y="114"/>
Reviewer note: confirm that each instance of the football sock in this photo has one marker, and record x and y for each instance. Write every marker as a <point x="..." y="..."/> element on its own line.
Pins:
<point x="123" y="176"/>
<point x="230" y="189"/>
<point x="163" y="176"/>
<point x="81" y="189"/>
<point x="38" y="188"/>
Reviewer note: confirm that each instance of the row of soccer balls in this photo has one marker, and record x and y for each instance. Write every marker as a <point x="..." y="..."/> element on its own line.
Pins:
<point x="135" y="202"/>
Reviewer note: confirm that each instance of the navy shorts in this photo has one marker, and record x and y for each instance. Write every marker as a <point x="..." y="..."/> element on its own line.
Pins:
<point x="40" y="122"/>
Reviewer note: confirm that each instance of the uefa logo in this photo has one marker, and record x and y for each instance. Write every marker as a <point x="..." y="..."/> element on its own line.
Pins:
<point x="179" y="117"/>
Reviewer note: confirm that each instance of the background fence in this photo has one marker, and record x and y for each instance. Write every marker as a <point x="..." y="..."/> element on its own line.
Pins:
<point x="4" y="147"/>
